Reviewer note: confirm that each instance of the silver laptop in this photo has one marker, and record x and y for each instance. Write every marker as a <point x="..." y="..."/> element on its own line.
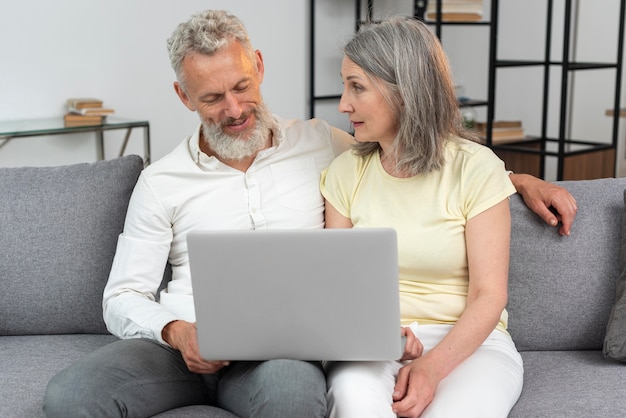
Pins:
<point x="324" y="294"/>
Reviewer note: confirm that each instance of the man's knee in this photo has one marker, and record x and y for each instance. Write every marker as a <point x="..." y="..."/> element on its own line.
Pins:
<point x="291" y="386"/>
<point x="63" y="398"/>
<point x="291" y="375"/>
<point x="128" y="377"/>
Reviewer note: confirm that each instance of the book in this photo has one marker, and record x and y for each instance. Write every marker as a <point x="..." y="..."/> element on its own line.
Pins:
<point x="502" y="132"/>
<point x="83" y="103"/>
<point x="456" y="10"/>
<point x="72" y="119"/>
<point x="87" y="106"/>
<point x="455" y="17"/>
<point x="93" y="111"/>
<point x="482" y="126"/>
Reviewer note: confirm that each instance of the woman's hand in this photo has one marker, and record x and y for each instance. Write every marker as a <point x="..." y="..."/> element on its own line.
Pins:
<point x="415" y="388"/>
<point x="542" y="196"/>
<point x="413" y="347"/>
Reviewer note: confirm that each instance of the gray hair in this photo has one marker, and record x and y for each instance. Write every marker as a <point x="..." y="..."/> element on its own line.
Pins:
<point x="404" y="56"/>
<point x="205" y="33"/>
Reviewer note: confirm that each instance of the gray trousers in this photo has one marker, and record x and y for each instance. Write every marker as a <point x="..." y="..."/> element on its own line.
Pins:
<point x="141" y="378"/>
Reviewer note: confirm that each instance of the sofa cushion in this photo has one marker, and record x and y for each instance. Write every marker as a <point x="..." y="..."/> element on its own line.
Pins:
<point x="566" y="384"/>
<point x="29" y="362"/>
<point x="615" y="340"/>
<point x="59" y="233"/>
<point x="561" y="289"/>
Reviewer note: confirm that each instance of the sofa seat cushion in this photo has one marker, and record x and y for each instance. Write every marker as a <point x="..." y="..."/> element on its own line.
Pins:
<point x="27" y="363"/>
<point x="565" y="384"/>
<point x="59" y="234"/>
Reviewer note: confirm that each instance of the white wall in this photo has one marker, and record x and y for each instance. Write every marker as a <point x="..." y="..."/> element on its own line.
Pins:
<point x="116" y="50"/>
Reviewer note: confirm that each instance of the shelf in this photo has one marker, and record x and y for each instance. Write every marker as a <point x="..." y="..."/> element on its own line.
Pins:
<point x="527" y="146"/>
<point x="570" y="65"/>
<point x="328" y="97"/>
<point x="458" y="23"/>
<point x="473" y="103"/>
<point x="443" y="23"/>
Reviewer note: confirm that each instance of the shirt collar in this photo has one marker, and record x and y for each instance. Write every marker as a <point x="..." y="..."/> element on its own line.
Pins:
<point x="200" y="158"/>
<point x="194" y="146"/>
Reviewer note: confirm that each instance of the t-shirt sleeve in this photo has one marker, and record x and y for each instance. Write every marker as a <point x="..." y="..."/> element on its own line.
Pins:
<point x="337" y="182"/>
<point x="485" y="182"/>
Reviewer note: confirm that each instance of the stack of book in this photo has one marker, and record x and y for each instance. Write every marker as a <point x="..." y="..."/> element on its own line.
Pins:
<point x="85" y="112"/>
<point x="456" y="10"/>
<point x="502" y="131"/>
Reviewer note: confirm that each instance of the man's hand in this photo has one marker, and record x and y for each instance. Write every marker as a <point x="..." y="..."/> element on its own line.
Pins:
<point x="182" y="336"/>
<point x="554" y="204"/>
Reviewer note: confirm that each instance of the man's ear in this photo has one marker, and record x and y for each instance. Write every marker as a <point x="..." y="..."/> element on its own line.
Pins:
<point x="183" y="96"/>
<point x="259" y="65"/>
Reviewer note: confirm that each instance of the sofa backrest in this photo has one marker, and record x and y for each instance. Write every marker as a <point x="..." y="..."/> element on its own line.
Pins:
<point x="58" y="236"/>
<point x="562" y="289"/>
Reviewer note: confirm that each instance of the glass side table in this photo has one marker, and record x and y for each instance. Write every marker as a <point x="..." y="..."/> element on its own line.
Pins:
<point x="10" y="130"/>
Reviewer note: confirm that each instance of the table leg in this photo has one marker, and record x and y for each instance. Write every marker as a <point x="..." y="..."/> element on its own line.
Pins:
<point x="5" y="140"/>
<point x="125" y="143"/>
<point x="100" y="144"/>
<point x="146" y="145"/>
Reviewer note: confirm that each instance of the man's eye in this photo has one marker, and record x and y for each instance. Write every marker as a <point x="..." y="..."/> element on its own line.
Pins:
<point x="211" y="100"/>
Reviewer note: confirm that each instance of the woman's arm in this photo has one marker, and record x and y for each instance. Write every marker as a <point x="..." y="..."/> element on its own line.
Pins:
<point x="334" y="219"/>
<point x="487" y="237"/>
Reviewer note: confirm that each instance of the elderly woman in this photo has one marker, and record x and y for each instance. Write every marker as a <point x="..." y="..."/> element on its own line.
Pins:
<point x="416" y="169"/>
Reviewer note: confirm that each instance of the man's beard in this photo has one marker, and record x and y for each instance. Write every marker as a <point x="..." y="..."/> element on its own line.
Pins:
<point x="241" y="146"/>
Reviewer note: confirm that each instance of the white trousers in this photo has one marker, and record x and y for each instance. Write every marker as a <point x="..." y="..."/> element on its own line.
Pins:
<point x="486" y="385"/>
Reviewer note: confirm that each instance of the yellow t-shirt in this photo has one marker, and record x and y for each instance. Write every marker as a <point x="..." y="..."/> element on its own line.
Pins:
<point x="429" y="213"/>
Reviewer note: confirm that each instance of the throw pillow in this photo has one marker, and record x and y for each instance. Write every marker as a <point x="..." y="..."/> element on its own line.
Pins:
<point x="59" y="232"/>
<point x="615" y="339"/>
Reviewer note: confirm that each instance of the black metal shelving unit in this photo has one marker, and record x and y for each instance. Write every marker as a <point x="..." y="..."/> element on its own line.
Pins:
<point x="418" y="12"/>
<point x="538" y="145"/>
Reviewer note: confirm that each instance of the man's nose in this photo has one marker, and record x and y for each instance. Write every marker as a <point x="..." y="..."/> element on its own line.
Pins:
<point x="232" y="108"/>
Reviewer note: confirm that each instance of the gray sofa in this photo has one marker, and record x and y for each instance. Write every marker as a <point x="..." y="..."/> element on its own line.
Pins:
<point x="58" y="236"/>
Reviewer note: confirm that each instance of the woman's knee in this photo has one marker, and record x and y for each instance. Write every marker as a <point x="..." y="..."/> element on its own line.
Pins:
<point x="360" y="389"/>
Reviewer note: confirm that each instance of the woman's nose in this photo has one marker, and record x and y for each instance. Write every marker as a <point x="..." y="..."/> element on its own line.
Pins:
<point x="344" y="106"/>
